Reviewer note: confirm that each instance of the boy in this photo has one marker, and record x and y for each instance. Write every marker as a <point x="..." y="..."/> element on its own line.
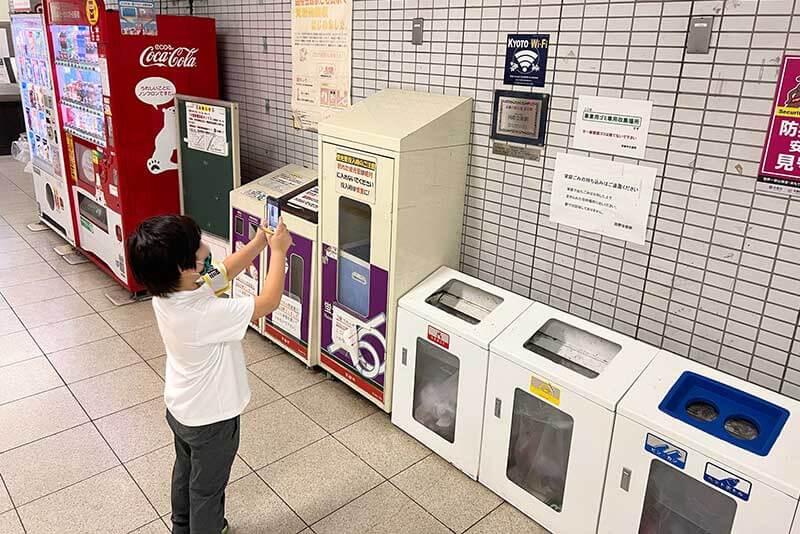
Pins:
<point x="206" y="378"/>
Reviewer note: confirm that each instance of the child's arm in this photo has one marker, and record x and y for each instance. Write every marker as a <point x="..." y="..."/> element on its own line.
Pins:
<point x="272" y="290"/>
<point x="241" y="259"/>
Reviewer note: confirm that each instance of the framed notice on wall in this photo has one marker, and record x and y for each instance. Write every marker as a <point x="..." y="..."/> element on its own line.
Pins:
<point x="780" y="160"/>
<point x="520" y="117"/>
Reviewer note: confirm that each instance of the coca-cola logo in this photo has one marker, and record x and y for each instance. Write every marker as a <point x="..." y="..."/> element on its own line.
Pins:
<point x="164" y="55"/>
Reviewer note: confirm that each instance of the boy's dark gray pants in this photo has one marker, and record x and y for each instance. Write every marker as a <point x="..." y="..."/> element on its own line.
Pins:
<point x="203" y="459"/>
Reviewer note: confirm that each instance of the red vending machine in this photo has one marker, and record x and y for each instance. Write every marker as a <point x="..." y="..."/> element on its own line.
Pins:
<point x="117" y="75"/>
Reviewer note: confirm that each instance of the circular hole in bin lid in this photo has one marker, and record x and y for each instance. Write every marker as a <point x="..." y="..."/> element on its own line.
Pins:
<point x="702" y="411"/>
<point x="741" y="428"/>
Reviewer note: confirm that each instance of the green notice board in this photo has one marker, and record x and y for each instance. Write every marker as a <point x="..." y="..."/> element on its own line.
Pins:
<point x="208" y="160"/>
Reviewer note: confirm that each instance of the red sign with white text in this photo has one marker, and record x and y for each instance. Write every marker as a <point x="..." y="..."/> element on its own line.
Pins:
<point x="780" y="162"/>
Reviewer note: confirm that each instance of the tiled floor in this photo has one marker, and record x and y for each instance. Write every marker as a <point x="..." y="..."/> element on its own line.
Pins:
<point x="84" y="446"/>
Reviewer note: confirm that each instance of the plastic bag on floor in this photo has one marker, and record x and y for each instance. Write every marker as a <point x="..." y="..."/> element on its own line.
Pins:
<point x="21" y="150"/>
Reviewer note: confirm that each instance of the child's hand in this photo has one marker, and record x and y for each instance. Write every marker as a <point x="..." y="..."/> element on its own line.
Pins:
<point x="280" y="240"/>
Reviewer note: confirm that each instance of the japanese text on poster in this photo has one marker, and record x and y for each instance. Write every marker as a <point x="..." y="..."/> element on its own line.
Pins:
<point x="321" y="58"/>
<point x="206" y="128"/>
<point x="355" y="177"/>
<point x="308" y="200"/>
<point x="613" y="125"/>
<point x="602" y="196"/>
<point x="780" y="161"/>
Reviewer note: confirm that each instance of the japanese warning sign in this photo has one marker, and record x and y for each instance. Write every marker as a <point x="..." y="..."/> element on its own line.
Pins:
<point x="602" y="196"/>
<point x="780" y="161"/>
<point x="612" y="125"/>
<point x="526" y="59"/>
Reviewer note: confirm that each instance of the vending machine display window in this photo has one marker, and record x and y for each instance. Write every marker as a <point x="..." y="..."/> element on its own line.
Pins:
<point x="355" y="226"/>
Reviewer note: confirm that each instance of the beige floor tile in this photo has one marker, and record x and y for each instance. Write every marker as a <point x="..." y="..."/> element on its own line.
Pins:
<point x="261" y="394"/>
<point x="253" y="508"/>
<point x="319" y="479"/>
<point x="138" y="430"/>
<point x="285" y="374"/>
<point x="109" y="502"/>
<point x="257" y="347"/>
<point x="3" y="304"/>
<point x="153" y="474"/>
<point x="92" y="359"/>
<point x="7" y="231"/>
<point x="146" y="341"/>
<point x="27" y="378"/>
<point x="386" y="448"/>
<point x="31" y="273"/>
<point x="17" y="347"/>
<point x="46" y="238"/>
<point x="71" y="333"/>
<point x="88" y="280"/>
<point x="53" y="311"/>
<point x="159" y="365"/>
<point x="46" y="253"/>
<point x="63" y="268"/>
<point x="9" y="323"/>
<point x="10" y="245"/>
<point x="275" y="431"/>
<point x="131" y="317"/>
<point x="36" y="292"/>
<point x="117" y="390"/>
<point x="508" y="520"/>
<point x="97" y="299"/>
<point x="22" y="218"/>
<point x="55" y="462"/>
<point x="9" y="523"/>
<point x="35" y="417"/>
<point x="332" y="405"/>
<point x="19" y="259"/>
<point x="156" y="527"/>
<point x="5" y="498"/>
<point x="383" y="510"/>
<point x="447" y="493"/>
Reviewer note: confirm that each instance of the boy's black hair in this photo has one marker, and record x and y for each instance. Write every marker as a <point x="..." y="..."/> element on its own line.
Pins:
<point x="160" y="248"/>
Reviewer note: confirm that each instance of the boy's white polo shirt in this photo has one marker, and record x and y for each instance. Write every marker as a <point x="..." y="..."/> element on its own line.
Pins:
<point x="206" y="378"/>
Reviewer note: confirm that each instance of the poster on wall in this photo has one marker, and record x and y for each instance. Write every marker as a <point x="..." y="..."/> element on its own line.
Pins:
<point x="137" y="17"/>
<point x="526" y="59"/>
<point x="321" y="59"/>
<point x="612" y="125"/>
<point x="780" y="160"/>
<point x="602" y="196"/>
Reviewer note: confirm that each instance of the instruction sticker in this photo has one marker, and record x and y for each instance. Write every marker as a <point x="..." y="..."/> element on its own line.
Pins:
<point x="665" y="450"/>
<point x="206" y="128"/>
<point x="545" y="390"/>
<point x="355" y="177"/>
<point x="727" y="481"/>
<point x="308" y="200"/>
<point x="345" y="328"/>
<point x="282" y="183"/>
<point x="289" y="315"/>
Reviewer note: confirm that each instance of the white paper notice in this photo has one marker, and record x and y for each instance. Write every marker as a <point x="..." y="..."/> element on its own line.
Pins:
<point x="355" y="177"/>
<point x="602" y="196"/>
<point x="308" y="200"/>
<point x="289" y="315"/>
<point x="613" y="125"/>
<point x="206" y="128"/>
<point x="345" y="329"/>
<point x="321" y="59"/>
<point x="4" y="51"/>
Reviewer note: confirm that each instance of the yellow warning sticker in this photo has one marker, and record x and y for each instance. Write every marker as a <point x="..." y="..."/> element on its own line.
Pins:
<point x="545" y="390"/>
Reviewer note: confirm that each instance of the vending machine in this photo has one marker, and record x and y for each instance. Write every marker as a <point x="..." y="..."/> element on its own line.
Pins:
<point x="392" y="181"/>
<point x="117" y="76"/>
<point x="41" y="120"/>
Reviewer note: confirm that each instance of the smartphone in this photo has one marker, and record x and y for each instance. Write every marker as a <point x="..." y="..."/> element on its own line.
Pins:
<point x="273" y="213"/>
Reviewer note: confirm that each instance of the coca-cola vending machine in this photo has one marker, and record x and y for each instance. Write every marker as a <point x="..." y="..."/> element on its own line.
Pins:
<point x="117" y="74"/>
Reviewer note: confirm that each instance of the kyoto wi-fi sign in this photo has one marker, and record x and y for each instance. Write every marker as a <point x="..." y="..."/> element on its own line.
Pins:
<point x="526" y="59"/>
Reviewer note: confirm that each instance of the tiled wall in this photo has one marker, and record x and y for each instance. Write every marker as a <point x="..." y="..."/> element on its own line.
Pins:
<point x="717" y="280"/>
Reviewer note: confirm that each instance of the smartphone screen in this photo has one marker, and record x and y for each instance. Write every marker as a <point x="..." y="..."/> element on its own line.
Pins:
<point x="273" y="213"/>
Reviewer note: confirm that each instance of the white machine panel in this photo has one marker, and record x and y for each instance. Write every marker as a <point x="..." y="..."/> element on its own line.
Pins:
<point x="54" y="202"/>
<point x="100" y="232"/>
<point x="444" y="327"/>
<point x="695" y="448"/>
<point x="554" y="383"/>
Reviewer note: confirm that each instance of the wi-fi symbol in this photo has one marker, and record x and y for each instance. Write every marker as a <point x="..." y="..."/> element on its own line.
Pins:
<point x="526" y="60"/>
